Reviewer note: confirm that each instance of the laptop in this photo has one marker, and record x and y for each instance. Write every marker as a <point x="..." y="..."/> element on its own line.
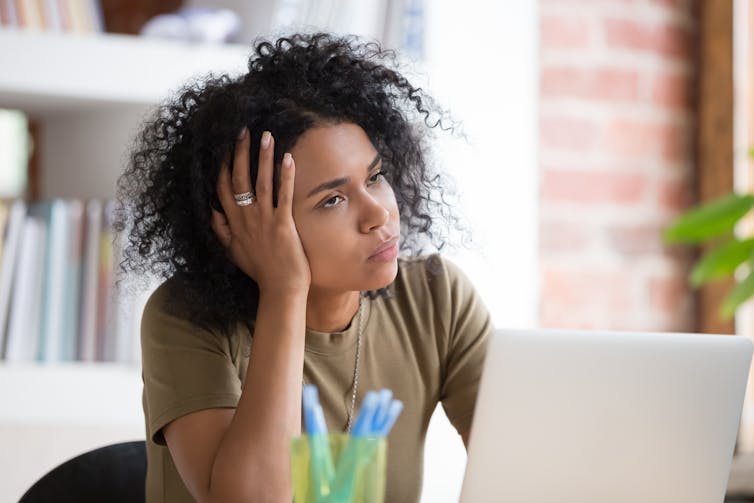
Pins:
<point x="579" y="416"/>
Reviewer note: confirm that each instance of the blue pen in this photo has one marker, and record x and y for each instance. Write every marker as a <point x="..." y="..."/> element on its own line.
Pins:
<point x="322" y="468"/>
<point x="385" y="397"/>
<point x="376" y="417"/>
<point x="363" y="425"/>
<point x="394" y="410"/>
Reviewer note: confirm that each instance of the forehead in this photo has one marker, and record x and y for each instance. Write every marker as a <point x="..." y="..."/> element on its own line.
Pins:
<point x="331" y="151"/>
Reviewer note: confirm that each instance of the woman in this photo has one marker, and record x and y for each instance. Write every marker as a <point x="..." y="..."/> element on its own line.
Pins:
<point x="274" y="205"/>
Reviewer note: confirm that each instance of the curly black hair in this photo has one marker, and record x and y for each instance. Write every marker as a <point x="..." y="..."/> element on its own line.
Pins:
<point x="168" y="188"/>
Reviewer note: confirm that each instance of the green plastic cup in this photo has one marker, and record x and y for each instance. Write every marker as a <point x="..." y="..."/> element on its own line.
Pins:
<point x="360" y="470"/>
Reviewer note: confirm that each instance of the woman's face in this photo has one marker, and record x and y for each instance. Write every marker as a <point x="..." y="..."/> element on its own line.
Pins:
<point x="344" y="209"/>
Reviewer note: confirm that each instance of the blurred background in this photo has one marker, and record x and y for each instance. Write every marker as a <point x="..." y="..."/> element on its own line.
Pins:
<point x="588" y="127"/>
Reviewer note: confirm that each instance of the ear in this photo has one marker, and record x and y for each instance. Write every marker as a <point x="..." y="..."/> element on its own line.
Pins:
<point x="221" y="227"/>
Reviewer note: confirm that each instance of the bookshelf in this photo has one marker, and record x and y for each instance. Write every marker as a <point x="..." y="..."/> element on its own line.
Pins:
<point x="89" y="92"/>
<point x="87" y="95"/>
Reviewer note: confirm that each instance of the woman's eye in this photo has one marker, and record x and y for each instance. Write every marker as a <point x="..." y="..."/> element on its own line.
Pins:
<point x="327" y="204"/>
<point x="376" y="177"/>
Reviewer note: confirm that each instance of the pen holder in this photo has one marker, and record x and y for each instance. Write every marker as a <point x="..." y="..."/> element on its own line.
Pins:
<point x="360" y="470"/>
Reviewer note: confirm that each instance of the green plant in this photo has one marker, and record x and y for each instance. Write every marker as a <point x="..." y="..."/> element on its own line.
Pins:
<point x="714" y="224"/>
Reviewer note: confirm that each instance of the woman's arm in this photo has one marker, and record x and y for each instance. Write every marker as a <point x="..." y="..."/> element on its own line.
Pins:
<point x="242" y="455"/>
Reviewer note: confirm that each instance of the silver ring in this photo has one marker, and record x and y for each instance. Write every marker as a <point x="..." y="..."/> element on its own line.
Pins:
<point x="243" y="196"/>
<point x="246" y="202"/>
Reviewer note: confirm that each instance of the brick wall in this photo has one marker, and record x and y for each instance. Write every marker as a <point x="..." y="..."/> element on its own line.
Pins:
<point x="615" y="143"/>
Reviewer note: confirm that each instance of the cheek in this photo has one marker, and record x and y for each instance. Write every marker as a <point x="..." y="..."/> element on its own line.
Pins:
<point x="387" y="198"/>
<point x="319" y="237"/>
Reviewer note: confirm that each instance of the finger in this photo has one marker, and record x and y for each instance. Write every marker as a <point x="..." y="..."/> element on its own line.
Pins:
<point x="225" y="195"/>
<point x="287" y="178"/>
<point x="221" y="226"/>
<point x="264" y="173"/>
<point x="240" y="174"/>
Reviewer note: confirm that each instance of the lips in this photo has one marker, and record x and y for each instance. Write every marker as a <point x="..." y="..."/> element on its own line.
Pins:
<point x="384" y="246"/>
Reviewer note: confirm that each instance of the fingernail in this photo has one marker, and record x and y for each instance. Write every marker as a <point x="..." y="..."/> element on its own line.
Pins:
<point x="242" y="133"/>
<point x="287" y="159"/>
<point x="266" y="136"/>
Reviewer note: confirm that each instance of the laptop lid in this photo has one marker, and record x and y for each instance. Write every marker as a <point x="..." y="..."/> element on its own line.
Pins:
<point x="578" y="416"/>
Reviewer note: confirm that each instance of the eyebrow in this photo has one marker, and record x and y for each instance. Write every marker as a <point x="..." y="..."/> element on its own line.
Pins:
<point x="340" y="181"/>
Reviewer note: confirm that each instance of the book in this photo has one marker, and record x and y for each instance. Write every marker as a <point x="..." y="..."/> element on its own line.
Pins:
<point x="30" y="14"/>
<point x="87" y="350"/>
<point x="55" y="213"/>
<point x="8" y="13"/>
<point x="23" y="324"/>
<point x="11" y="244"/>
<point x="65" y="16"/>
<point x="105" y="297"/>
<point x="77" y="15"/>
<point x="72" y="277"/>
<point x="95" y="15"/>
<point x="51" y="14"/>
<point x="4" y="214"/>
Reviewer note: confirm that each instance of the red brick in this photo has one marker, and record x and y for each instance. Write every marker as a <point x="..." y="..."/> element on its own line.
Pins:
<point x="663" y="39"/>
<point x="559" y="236"/>
<point x="674" y="196"/>
<point x="562" y="317"/>
<point x="637" y="239"/>
<point x="566" y="133"/>
<point x="601" y="290"/>
<point x="593" y="83"/>
<point x="668" y="294"/>
<point x="676" y="144"/>
<point x="671" y="3"/>
<point x="564" y="32"/>
<point x="590" y="187"/>
<point x="636" y="139"/>
<point x="671" y="90"/>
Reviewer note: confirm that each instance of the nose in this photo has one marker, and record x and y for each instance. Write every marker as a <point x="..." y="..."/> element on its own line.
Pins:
<point x="373" y="215"/>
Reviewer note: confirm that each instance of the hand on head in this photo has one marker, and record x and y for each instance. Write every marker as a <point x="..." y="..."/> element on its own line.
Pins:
<point x="261" y="240"/>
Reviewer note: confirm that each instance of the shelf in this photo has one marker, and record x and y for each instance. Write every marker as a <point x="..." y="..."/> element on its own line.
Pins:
<point x="49" y="72"/>
<point x="73" y="393"/>
<point x="53" y="412"/>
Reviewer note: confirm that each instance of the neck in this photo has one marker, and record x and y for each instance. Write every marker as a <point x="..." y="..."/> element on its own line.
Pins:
<point x="328" y="311"/>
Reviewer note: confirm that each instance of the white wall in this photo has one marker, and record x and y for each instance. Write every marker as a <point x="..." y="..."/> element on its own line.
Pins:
<point x="481" y="63"/>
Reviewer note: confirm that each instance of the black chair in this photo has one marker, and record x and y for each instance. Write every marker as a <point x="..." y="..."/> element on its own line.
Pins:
<point x="114" y="473"/>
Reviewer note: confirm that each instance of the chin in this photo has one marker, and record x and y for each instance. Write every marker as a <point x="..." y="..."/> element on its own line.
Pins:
<point x="382" y="278"/>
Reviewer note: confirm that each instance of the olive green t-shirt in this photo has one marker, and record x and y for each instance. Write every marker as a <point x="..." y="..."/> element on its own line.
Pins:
<point x="426" y="342"/>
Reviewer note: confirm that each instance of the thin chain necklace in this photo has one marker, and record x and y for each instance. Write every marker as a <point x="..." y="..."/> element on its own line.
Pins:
<point x="355" y="384"/>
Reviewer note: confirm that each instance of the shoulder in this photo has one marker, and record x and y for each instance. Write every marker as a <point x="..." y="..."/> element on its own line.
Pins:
<point x="435" y="284"/>
<point x="431" y="282"/>
<point x="163" y="304"/>
<point x="166" y="321"/>
<point x="433" y="272"/>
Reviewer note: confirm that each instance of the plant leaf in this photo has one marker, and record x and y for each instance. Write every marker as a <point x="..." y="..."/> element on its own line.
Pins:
<point x="709" y="219"/>
<point x="740" y="294"/>
<point x="721" y="261"/>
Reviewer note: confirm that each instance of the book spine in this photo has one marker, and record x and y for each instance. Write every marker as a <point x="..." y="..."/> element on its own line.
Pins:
<point x="89" y="281"/>
<point x="9" y="264"/>
<point x="23" y="333"/>
<point x="72" y="297"/>
<point x="53" y="298"/>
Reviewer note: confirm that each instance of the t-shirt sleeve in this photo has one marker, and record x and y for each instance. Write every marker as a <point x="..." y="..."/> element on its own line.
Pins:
<point x="468" y="326"/>
<point x="185" y="368"/>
